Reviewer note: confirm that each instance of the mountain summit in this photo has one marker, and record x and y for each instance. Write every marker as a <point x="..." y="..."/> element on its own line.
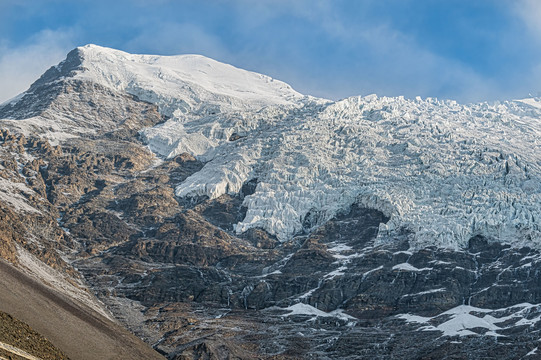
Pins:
<point x="174" y="82"/>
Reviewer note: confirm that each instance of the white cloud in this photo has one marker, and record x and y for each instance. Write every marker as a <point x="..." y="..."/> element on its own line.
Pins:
<point x="21" y="65"/>
<point x="530" y="12"/>
<point x="376" y="57"/>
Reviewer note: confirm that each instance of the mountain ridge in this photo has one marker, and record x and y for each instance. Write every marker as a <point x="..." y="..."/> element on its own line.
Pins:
<point x="479" y="144"/>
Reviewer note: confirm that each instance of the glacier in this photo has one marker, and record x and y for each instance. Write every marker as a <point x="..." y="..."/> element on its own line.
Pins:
<point x="443" y="172"/>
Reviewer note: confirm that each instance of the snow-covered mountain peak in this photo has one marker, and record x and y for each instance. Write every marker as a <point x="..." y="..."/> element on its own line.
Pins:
<point x="178" y="83"/>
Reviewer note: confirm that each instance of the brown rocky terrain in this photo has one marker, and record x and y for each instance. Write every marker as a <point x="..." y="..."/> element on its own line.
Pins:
<point x="16" y="333"/>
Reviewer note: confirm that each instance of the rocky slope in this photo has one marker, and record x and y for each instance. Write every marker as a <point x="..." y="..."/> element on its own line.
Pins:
<point x="16" y="333"/>
<point x="217" y="213"/>
<point x="72" y="326"/>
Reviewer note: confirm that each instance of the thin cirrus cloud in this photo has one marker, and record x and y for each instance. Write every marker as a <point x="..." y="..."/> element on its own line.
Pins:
<point x="174" y="38"/>
<point x="329" y="49"/>
<point x="22" y="65"/>
<point x="530" y="12"/>
<point x="358" y="56"/>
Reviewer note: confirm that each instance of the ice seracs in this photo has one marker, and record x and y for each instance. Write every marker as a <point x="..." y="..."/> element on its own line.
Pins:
<point x="440" y="170"/>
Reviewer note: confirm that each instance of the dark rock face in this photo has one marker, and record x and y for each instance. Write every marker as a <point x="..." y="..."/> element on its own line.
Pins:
<point x="198" y="290"/>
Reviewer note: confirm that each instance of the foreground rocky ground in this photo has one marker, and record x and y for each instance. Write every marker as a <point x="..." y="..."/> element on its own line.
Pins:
<point x="100" y="211"/>
<point x="20" y="335"/>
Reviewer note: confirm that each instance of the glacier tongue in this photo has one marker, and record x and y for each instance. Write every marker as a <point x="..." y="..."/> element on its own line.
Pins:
<point x="443" y="170"/>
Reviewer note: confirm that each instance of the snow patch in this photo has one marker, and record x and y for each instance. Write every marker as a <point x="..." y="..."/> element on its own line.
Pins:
<point x="10" y="193"/>
<point x="409" y="267"/>
<point x="305" y="309"/>
<point x="339" y="248"/>
<point x="464" y="319"/>
<point x="55" y="132"/>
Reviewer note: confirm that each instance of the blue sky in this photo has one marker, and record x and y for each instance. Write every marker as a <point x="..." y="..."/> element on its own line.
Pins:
<point x="464" y="50"/>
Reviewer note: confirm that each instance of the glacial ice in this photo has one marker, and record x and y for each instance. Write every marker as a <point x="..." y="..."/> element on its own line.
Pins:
<point x="444" y="171"/>
<point x="441" y="170"/>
